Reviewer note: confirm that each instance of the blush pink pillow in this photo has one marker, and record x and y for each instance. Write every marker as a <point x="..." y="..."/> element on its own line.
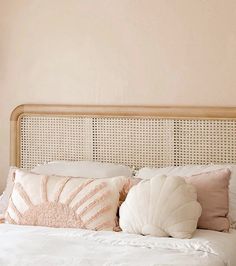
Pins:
<point x="212" y="191"/>
<point x="61" y="201"/>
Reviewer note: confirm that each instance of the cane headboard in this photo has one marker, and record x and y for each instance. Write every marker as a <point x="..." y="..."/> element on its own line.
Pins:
<point x="131" y="135"/>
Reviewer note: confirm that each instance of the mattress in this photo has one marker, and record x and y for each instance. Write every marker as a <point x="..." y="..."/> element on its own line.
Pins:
<point x="29" y="245"/>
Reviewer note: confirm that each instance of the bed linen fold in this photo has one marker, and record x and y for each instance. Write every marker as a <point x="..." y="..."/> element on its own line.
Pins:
<point x="28" y="245"/>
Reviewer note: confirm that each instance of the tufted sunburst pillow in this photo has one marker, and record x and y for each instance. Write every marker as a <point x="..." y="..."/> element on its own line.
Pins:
<point x="57" y="201"/>
<point x="161" y="206"/>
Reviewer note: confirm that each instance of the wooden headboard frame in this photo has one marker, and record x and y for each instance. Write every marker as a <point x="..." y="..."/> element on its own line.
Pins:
<point x="134" y="135"/>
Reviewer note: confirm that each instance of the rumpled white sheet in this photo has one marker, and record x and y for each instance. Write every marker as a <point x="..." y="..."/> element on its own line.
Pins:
<point x="41" y="246"/>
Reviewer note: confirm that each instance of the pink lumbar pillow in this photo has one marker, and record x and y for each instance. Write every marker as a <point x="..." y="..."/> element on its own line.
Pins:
<point x="58" y="201"/>
<point x="212" y="193"/>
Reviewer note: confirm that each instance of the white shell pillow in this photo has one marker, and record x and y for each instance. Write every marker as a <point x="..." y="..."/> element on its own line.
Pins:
<point x="85" y="169"/>
<point x="162" y="206"/>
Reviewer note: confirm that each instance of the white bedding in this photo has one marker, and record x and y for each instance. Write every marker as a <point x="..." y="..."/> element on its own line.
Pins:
<point x="40" y="246"/>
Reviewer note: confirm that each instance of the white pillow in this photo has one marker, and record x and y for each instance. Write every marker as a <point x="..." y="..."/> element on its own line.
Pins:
<point x="4" y="198"/>
<point x="162" y="206"/>
<point x="189" y="170"/>
<point x="85" y="169"/>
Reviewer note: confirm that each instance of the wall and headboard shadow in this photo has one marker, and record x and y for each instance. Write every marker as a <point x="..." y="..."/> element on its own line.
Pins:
<point x="156" y="52"/>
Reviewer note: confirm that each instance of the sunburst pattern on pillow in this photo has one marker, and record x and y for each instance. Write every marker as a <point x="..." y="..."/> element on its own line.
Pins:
<point x="64" y="201"/>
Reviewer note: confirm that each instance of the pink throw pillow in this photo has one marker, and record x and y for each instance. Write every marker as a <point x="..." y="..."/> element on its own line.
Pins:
<point x="61" y="201"/>
<point x="212" y="191"/>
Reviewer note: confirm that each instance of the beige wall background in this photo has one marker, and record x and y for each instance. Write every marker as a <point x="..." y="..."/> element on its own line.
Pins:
<point x="155" y="52"/>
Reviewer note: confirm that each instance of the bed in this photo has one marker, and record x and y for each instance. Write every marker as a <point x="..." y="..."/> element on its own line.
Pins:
<point x="23" y="245"/>
<point x="126" y="135"/>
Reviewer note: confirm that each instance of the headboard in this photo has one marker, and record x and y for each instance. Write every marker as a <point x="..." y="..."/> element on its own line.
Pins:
<point x="133" y="135"/>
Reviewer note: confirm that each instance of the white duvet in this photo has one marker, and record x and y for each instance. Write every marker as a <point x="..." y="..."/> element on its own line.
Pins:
<point x="40" y="246"/>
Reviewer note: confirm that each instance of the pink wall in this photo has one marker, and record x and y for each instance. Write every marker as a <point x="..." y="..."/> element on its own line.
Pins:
<point x="156" y="52"/>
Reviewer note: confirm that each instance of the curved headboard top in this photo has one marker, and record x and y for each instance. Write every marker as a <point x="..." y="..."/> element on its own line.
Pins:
<point x="121" y="110"/>
<point x="132" y="135"/>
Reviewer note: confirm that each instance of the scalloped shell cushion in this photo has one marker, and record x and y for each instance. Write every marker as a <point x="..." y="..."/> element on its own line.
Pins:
<point x="162" y="206"/>
<point x="57" y="201"/>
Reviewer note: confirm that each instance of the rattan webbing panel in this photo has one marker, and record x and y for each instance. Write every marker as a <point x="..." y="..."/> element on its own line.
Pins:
<point x="205" y="141"/>
<point x="134" y="141"/>
<point x="48" y="138"/>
